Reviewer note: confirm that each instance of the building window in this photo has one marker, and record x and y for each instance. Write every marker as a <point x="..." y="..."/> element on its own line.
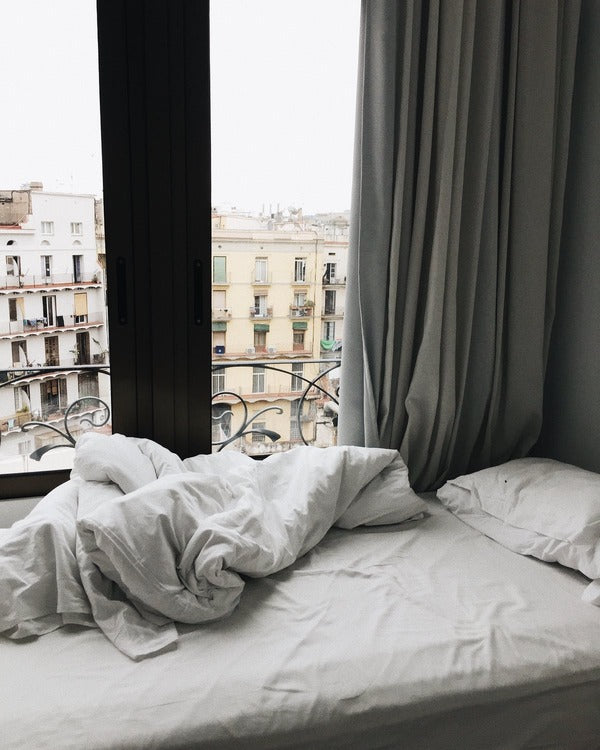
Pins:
<point x="260" y="306"/>
<point x="260" y="341"/>
<point x="77" y="268"/>
<point x="300" y="270"/>
<point x="218" y="342"/>
<point x="295" y="434"/>
<point x="258" y="437"/>
<point x="53" y="394"/>
<point x="218" y="381"/>
<point x="51" y="351"/>
<point x="329" y="302"/>
<point x="298" y="345"/>
<point x="219" y="269"/>
<point x="87" y="383"/>
<point x="13" y="265"/>
<point x="19" y="353"/>
<point x="22" y="402"/>
<point x="46" y="262"/>
<point x="329" y="331"/>
<point x="299" y="299"/>
<point x="16" y="305"/>
<point x="81" y="307"/>
<point x="260" y="270"/>
<point x="77" y="227"/>
<point x="297" y="373"/>
<point x="221" y="422"/>
<point x="329" y="275"/>
<point x="258" y="380"/>
<point x="47" y="227"/>
<point x="82" y="348"/>
<point x="49" y="310"/>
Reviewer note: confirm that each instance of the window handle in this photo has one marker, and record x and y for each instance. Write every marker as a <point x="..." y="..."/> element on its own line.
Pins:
<point x="198" y="292"/>
<point x="121" y="291"/>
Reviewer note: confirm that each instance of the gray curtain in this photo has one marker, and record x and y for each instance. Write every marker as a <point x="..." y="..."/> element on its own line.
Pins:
<point x="463" y="120"/>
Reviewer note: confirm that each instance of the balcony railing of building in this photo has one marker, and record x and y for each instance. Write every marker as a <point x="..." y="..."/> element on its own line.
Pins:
<point x="261" y="313"/>
<point x="43" y="282"/>
<point x="60" y="322"/>
<point x="221" y="313"/>
<point x="313" y="404"/>
<point x="331" y="280"/>
<point x="301" y="311"/>
<point x="332" y="312"/>
<point x="261" y="279"/>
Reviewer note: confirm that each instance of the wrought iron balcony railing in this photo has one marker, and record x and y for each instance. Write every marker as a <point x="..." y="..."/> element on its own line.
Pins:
<point x="236" y="416"/>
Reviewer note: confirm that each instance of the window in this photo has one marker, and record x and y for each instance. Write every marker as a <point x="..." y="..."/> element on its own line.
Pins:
<point x="329" y="331"/>
<point x="221" y="422"/>
<point x="329" y="302"/>
<point x="80" y="301"/>
<point x="15" y="305"/>
<point x="218" y="381"/>
<point x="87" y="384"/>
<point x="297" y="372"/>
<point x="218" y="341"/>
<point x="77" y="268"/>
<point x="298" y="344"/>
<point x="258" y="437"/>
<point x="329" y="275"/>
<point x="299" y="299"/>
<point x="19" y="353"/>
<point x="260" y="270"/>
<point x="258" y="380"/>
<point x="260" y="340"/>
<point x="22" y="401"/>
<point x="294" y="421"/>
<point x="51" y="352"/>
<point x="13" y="265"/>
<point x="82" y="348"/>
<point x="219" y="269"/>
<point x="53" y="395"/>
<point x="77" y="227"/>
<point x="49" y="310"/>
<point x="47" y="227"/>
<point x="260" y="306"/>
<point x="300" y="270"/>
<point x="46" y="263"/>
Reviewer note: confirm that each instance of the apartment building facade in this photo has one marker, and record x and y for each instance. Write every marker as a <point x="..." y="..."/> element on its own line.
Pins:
<point x="52" y="312"/>
<point x="277" y="299"/>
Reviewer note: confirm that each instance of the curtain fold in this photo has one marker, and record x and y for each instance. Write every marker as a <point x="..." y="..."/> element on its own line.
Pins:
<point x="463" y="118"/>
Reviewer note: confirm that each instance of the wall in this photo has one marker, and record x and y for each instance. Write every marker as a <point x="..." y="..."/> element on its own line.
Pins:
<point x="571" y="430"/>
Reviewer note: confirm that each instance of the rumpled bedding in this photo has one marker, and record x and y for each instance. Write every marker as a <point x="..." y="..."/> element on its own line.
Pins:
<point x="138" y="540"/>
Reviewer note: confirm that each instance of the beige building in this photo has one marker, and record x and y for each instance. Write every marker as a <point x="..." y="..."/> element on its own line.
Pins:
<point x="277" y="302"/>
<point x="52" y="318"/>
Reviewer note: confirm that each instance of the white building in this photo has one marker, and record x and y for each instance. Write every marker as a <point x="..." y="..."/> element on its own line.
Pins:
<point x="52" y="311"/>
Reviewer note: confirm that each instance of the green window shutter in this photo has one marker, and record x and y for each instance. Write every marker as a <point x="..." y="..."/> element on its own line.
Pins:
<point x="219" y="269"/>
<point x="261" y="326"/>
<point x="219" y="326"/>
<point x="300" y="325"/>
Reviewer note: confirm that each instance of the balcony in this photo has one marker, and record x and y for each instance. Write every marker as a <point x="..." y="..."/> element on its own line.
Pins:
<point x="53" y="281"/>
<point x="330" y="280"/>
<point x="221" y="313"/>
<point x="332" y="312"/>
<point x="37" y="326"/>
<point x="301" y="311"/>
<point x="264" y="313"/>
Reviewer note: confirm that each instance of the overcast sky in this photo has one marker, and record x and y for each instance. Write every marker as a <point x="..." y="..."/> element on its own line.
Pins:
<point x="283" y="94"/>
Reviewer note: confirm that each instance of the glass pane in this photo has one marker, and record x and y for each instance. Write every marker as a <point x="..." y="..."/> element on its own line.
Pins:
<point x="54" y="368"/>
<point x="281" y="195"/>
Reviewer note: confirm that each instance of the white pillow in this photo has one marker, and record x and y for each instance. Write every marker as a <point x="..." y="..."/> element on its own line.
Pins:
<point x="538" y="507"/>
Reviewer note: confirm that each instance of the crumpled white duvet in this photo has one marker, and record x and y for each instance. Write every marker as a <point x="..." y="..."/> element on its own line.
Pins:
<point x="138" y="540"/>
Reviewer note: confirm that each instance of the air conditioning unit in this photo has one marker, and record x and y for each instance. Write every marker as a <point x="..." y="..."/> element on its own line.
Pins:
<point x="271" y="349"/>
<point x="251" y="350"/>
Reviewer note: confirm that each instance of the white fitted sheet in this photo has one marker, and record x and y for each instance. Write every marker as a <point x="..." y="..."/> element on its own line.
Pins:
<point x="425" y="635"/>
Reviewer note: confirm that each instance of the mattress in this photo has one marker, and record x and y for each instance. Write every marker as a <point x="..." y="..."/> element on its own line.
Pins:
<point x="421" y="635"/>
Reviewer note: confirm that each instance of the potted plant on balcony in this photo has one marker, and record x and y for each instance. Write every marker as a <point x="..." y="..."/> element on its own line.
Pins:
<point x="99" y="357"/>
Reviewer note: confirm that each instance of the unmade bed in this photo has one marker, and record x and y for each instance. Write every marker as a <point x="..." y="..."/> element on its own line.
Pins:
<point x="425" y="634"/>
